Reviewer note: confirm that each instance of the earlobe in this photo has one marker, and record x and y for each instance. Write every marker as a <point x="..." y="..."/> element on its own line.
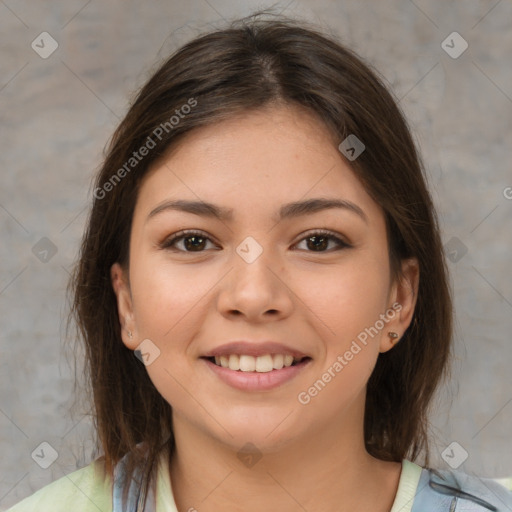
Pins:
<point x="403" y="298"/>
<point x="121" y="288"/>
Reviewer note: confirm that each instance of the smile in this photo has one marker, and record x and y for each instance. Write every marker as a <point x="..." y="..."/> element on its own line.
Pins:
<point x="245" y="373"/>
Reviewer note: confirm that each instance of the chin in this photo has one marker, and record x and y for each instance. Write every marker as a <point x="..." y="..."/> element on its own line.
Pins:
<point x="268" y="433"/>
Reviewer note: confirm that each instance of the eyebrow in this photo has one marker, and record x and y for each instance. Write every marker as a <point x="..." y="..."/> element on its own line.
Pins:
<point x="286" y="211"/>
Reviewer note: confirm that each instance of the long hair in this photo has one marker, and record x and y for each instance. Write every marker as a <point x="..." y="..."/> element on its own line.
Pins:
<point x="253" y="63"/>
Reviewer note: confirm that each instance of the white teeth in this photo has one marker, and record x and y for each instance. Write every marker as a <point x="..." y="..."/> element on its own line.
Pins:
<point x="261" y="364"/>
<point x="234" y="362"/>
<point x="278" y="361"/>
<point x="247" y="363"/>
<point x="264" y="363"/>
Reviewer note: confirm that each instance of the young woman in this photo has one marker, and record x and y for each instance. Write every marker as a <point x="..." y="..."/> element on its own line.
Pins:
<point x="262" y="292"/>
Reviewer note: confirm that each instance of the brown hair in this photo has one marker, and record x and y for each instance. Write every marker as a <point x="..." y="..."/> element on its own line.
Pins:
<point x="253" y="63"/>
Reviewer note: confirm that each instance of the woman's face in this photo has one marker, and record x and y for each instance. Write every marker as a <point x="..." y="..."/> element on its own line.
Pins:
<point x="261" y="273"/>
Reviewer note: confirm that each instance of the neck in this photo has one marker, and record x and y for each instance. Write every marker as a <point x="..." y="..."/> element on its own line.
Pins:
<point x="326" y="470"/>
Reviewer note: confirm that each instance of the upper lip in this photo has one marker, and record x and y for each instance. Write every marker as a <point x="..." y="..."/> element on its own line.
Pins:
<point x="255" y="349"/>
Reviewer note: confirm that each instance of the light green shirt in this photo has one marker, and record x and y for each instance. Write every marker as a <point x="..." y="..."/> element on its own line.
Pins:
<point x="90" y="489"/>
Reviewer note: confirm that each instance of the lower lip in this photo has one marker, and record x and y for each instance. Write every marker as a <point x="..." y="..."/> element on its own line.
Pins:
<point x="257" y="381"/>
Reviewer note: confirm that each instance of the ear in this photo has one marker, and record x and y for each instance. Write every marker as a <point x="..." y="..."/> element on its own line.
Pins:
<point x="403" y="296"/>
<point x="121" y="286"/>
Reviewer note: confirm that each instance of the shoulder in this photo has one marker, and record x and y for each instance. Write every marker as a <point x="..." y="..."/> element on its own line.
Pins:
<point x="456" y="490"/>
<point x="89" y="488"/>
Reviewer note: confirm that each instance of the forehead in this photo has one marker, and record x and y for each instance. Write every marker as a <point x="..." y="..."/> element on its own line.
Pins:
<point x="256" y="160"/>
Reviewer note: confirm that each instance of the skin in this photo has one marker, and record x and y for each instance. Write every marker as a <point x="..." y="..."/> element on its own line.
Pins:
<point x="186" y="303"/>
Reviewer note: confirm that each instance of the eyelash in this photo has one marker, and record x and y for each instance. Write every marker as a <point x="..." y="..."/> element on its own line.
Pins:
<point x="168" y="243"/>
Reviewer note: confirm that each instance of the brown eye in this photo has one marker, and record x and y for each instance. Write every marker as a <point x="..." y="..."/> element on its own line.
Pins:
<point x="193" y="241"/>
<point x="319" y="241"/>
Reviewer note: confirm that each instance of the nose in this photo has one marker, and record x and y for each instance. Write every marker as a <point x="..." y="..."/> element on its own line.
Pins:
<point x="256" y="291"/>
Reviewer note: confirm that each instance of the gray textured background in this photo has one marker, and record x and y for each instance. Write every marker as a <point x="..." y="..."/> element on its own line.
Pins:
<point x="57" y="114"/>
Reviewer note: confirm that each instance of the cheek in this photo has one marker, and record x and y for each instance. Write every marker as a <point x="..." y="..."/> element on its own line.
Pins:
<point x="347" y="299"/>
<point x="165" y="296"/>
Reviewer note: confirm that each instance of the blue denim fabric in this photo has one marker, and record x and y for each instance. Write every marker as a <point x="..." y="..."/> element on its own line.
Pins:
<point x="455" y="491"/>
<point x="139" y="497"/>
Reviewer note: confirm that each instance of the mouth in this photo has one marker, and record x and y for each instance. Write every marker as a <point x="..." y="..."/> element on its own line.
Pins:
<point x="260" y="364"/>
<point x="256" y="374"/>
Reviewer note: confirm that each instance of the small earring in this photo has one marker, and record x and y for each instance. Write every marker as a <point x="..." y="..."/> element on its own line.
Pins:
<point x="394" y="336"/>
<point x="130" y="334"/>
